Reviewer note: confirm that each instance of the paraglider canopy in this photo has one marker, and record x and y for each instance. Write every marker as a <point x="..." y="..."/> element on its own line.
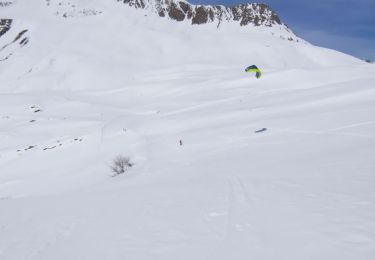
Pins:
<point x="255" y="69"/>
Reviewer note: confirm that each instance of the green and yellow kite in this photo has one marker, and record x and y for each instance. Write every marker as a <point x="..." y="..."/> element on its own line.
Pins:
<point x="255" y="69"/>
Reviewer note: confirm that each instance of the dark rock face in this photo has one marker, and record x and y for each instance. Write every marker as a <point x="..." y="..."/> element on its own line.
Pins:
<point x="256" y="14"/>
<point x="180" y="10"/>
<point x="5" y="3"/>
<point x="201" y="15"/>
<point x="176" y="13"/>
<point x="5" y="26"/>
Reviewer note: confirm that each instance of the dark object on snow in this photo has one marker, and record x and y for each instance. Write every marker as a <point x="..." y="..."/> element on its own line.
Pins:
<point x="261" y="130"/>
<point x="181" y="142"/>
<point x="24" y="41"/>
<point x="120" y="165"/>
<point x="30" y="147"/>
<point x="49" y="148"/>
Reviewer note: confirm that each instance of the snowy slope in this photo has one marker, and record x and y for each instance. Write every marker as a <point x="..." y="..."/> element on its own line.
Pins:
<point x="122" y="81"/>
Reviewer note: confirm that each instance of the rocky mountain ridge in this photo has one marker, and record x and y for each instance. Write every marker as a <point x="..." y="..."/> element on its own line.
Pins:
<point x="257" y="14"/>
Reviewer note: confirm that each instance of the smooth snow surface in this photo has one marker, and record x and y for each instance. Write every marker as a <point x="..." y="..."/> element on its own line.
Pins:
<point x="277" y="168"/>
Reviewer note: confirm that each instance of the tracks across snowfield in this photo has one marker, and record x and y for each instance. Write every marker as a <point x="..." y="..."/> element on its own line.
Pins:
<point x="303" y="189"/>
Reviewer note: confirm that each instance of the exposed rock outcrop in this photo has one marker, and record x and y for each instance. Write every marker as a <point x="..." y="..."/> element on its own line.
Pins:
<point x="180" y="10"/>
<point x="5" y="26"/>
<point x="5" y="3"/>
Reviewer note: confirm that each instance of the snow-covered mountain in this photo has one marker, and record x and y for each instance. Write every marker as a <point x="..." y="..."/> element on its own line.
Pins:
<point x="224" y="165"/>
<point x="112" y="29"/>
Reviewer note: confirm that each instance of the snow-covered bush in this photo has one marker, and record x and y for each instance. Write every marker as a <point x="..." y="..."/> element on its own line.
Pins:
<point x="120" y="165"/>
